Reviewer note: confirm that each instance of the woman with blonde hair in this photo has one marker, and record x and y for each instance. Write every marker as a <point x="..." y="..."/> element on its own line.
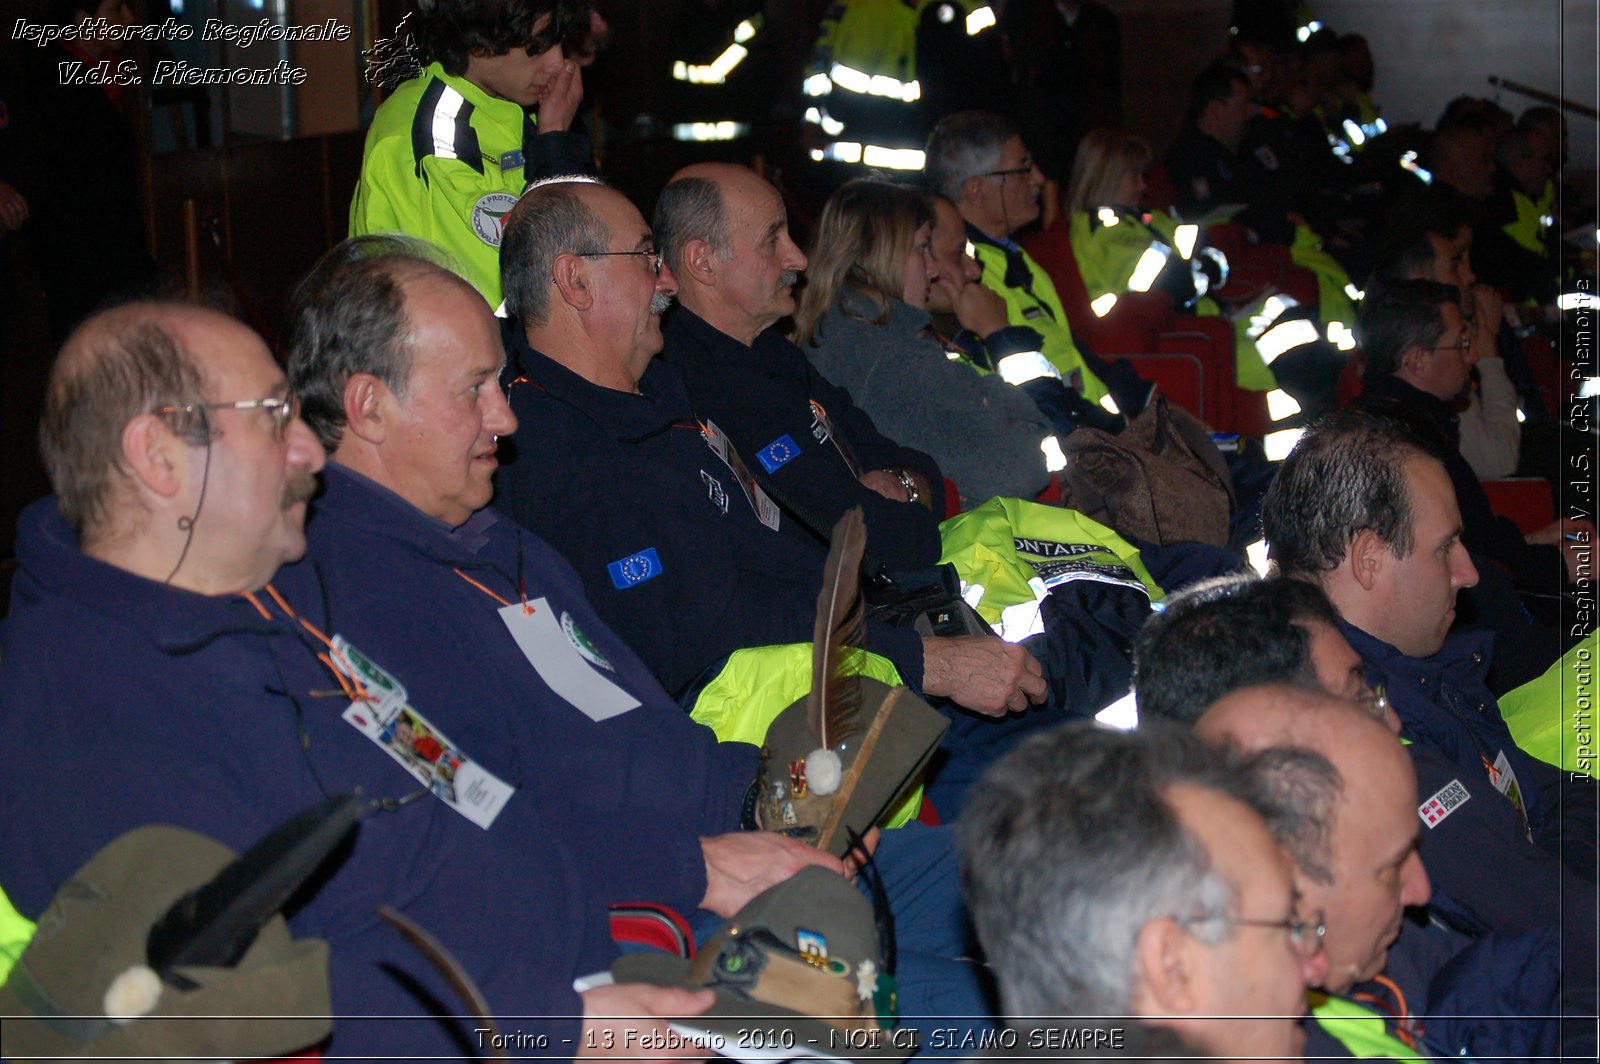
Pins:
<point x="864" y="323"/>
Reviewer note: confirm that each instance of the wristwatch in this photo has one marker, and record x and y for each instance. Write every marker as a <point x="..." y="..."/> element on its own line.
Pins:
<point x="909" y="482"/>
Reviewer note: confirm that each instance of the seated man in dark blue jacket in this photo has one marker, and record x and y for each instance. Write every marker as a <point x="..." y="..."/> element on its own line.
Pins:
<point x="154" y="674"/>
<point x="1235" y="632"/>
<point x="724" y="233"/>
<point x="492" y="637"/>
<point x="1240" y="631"/>
<point x="1364" y="509"/>
<point x="681" y="550"/>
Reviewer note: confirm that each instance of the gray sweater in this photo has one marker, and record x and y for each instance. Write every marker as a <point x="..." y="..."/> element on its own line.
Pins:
<point x="983" y="432"/>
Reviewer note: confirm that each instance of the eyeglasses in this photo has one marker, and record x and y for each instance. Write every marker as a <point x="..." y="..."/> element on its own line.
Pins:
<point x="1375" y="701"/>
<point x="1305" y="936"/>
<point x="653" y="255"/>
<point x="1463" y="344"/>
<point x="1025" y="168"/>
<point x="283" y="410"/>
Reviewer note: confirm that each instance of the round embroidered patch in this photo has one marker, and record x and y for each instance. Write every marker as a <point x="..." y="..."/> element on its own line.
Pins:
<point x="489" y="216"/>
<point x="581" y="643"/>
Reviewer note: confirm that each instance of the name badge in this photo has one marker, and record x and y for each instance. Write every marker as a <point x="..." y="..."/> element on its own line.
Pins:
<point x="417" y="745"/>
<point x="1505" y="781"/>
<point x="512" y="160"/>
<point x="766" y="510"/>
<point x="566" y="660"/>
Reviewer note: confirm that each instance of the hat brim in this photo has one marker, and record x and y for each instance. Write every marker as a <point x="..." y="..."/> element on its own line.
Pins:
<point x="756" y="1032"/>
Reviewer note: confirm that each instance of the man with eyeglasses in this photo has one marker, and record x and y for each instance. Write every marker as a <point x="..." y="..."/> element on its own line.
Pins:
<point x="1341" y="797"/>
<point x="678" y="548"/>
<point x="979" y="162"/>
<point x="1420" y="355"/>
<point x="1117" y="875"/>
<point x="1233" y="632"/>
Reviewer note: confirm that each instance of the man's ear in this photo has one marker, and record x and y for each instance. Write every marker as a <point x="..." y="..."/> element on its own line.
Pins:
<point x="700" y="261"/>
<point x="1366" y="558"/>
<point x="572" y="281"/>
<point x="364" y="408"/>
<point x="1414" y="359"/>
<point x="153" y="453"/>
<point x="1165" y="969"/>
<point x="972" y="190"/>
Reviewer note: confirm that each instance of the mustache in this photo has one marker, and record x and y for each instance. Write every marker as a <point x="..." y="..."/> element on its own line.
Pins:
<point x="659" y="303"/>
<point x="788" y="278"/>
<point x="301" y="487"/>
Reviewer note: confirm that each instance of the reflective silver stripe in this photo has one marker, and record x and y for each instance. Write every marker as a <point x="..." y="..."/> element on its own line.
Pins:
<point x="444" y="122"/>
<point x="849" y="151"/>
<point x="1025" y="366"/>
<point x="853" y="80"/>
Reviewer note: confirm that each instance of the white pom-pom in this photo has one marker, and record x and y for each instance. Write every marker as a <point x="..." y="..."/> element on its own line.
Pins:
<point x="823" y="772"/>
<point x="132" y="994"/>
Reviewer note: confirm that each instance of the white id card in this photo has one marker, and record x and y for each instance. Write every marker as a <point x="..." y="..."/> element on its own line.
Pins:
<point x="766" y="510"/>
<point x="1505" y="781"/>
<point x="416" y="745"/>
<point x="566" y="660"/>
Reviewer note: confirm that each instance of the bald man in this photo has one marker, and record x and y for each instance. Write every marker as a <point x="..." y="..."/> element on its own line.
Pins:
<point x="1367" y="869"/>
<point x="1342" y="799"/>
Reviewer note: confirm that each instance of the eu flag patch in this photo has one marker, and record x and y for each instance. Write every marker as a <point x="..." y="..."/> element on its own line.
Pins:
<point x="635" y="569"/>
<point x="777" y="453"/>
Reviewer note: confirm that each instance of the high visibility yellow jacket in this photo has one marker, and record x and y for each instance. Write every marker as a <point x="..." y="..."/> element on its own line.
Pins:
<point x="445" y="161"/>
<point x="1032" y="302"/>
<point x="758" y="683"/>
<point x="1359" y="1029"/>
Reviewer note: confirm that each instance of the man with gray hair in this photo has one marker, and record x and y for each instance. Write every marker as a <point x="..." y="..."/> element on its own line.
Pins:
<point x="653" y="509"/>
<point x="724" y="232"/>
<point x="979" y="162"/>
<point x="695" y="535"/>
<point x="1234" y="632"/>
<point x="1125" y="874"/>
<point x="1341" y="798"/>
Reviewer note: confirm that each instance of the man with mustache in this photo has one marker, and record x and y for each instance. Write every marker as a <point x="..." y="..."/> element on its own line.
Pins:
<point x="1364" y="508"/>
<point x="615" y="471"/>
<point x="680" y="547"/>
<point x="724" y="231"/>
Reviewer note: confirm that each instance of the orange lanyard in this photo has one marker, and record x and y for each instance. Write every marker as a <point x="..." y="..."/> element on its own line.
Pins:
<point x="346" y="676"/>
<point x="527" y="610"/>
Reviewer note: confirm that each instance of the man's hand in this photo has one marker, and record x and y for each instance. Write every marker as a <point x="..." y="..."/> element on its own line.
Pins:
<point x="742" y="864"/>
<point x="886" y="482"/>
<point x="980" y="309"/>
<point x="13" y="209"/>
<point x="982" y="672"/>
<point x="616" y="1018"/>
<point x="561" y="99"/>
<point x="1487" y="308"/>
<point x="1576" y="538"/>
<point x="862" y="853"/>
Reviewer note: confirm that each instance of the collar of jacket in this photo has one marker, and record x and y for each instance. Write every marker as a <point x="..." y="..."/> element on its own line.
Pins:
<point x="903" y="317"/>
<point x="1465" y="655"/>
<point x="175" y="620"/>
<point x="502" y="112"/>
<point x="351" y="498"/>
<point x="660" y="404"/>
<point x="1386" y="386"/>
<point x="691" y="341"/>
